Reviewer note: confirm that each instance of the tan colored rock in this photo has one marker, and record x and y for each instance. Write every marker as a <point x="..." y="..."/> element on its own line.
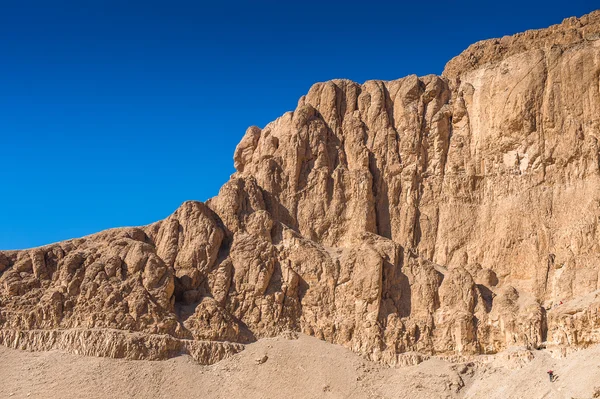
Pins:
<point x="427" y="215"/>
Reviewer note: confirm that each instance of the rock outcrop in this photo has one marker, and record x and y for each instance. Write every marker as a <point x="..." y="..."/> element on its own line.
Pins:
<point x="451" y="215"/>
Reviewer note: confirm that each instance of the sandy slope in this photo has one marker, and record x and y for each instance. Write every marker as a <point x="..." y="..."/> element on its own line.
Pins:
<point x="300" y="368"/>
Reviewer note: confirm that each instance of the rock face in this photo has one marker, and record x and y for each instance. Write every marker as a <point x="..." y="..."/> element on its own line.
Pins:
<point x="444" y="214"/>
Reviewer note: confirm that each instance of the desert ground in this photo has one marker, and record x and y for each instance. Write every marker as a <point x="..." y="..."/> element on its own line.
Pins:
<point x="297" y="368"/>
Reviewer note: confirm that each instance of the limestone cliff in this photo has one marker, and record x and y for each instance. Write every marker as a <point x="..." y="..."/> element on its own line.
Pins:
<point x="453" y="214"/>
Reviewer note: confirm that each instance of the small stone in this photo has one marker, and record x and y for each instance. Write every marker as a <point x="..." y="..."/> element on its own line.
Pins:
<point x="262" y="359"/>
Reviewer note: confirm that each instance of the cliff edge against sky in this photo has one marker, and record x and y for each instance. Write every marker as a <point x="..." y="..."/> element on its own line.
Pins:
<point x="448" y="215"/>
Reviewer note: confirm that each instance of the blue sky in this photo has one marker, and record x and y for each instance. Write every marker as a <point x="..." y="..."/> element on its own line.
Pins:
<point x="112" y="113"/>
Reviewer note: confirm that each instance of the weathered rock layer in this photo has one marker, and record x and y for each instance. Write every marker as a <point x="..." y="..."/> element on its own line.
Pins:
<point x="443" y="215"/>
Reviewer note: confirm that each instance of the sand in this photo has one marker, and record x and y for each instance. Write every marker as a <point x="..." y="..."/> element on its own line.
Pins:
<point x="295" y="368"/>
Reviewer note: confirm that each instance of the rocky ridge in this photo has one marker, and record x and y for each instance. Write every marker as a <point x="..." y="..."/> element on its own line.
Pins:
<point x="443" y="215"/>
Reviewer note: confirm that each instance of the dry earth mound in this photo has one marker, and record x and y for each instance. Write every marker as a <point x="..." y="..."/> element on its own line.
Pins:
<point x="300" y="368"/>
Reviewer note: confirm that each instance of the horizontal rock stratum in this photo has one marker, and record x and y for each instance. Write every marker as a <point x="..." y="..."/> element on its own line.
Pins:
<point x="450" y="215"/>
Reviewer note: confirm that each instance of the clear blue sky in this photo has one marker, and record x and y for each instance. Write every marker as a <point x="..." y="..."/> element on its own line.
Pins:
<point x="112" y="113"/>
